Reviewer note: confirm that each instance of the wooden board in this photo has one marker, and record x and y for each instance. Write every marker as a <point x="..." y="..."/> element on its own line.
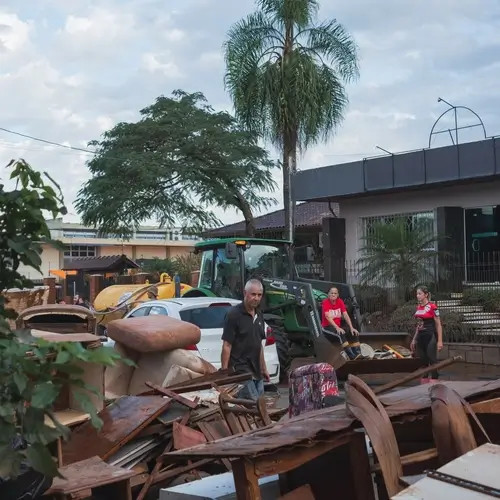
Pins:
<point x="66" y="337"/>
<point x="90" y="473"/>
<point x="122" y="421"/>
<point x="68" y="417"/>
<point x="185" y="437"/>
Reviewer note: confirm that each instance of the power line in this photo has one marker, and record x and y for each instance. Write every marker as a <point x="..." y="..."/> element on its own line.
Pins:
<point x="51" y="143"/>
<point x="95" y="153"/>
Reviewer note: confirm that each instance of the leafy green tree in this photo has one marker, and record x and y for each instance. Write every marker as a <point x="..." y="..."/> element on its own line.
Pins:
<point x="174" y="165"/>
<point x="32" y="371"/>
<point x="398" y="254"/>
<point x="286" y="75"/>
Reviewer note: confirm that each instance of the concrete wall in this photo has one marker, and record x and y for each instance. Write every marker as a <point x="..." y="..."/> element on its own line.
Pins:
<point x="50" y="260"/>
<point x="482" y="354"/>
<point x="352" y="210"/>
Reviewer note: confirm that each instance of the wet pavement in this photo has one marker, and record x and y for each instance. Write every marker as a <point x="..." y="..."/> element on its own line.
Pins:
<point x="278" y="396"/>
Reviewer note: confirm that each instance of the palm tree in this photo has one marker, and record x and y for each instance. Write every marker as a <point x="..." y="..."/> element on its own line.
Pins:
<point x="286" y="74"/>
<point x="400" y="253"/>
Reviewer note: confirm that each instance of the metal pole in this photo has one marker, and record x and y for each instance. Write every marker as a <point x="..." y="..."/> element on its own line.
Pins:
<point x="456" y="125"/>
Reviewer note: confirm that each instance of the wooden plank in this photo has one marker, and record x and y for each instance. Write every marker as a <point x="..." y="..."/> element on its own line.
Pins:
<point x="279" y="462"/>
<point x="185" y="437"/>
<point x="246" y="480"/>
<point x="171" y="394"/>
<point x="156" y="469"/>
<point x="122" y="421"/>
<point x="360" y="467"/>
<point x="199" y="385"/>
<point x="87" y="474"/>
<point x="489" y="406"/>
<point x="210" y="377"/>
<point x="215" y="430"/>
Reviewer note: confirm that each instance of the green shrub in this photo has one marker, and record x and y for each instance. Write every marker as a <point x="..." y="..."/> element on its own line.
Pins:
<point x="403" y="320"/>
<point x="371" y="299"/>
<point x="32" y="371"/>
<point x="488" y="298"/>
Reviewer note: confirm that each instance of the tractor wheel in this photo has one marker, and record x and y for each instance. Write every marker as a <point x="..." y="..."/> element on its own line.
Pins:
<point x="283" y="348"/>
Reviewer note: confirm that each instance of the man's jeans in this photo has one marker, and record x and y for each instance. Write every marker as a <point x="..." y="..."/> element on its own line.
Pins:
<point x="252" y="389"/>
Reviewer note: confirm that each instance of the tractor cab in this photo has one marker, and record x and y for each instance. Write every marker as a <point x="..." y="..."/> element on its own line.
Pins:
<point x="227" y="264"/>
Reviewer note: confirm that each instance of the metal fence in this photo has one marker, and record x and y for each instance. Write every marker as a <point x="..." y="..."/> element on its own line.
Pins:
<point x="467" y="293"/>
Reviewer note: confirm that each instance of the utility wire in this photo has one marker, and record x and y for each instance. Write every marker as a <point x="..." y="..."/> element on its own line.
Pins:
<point x="93" y="152"/>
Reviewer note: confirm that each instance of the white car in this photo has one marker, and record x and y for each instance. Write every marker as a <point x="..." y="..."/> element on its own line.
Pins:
<point x="208" y="314"/>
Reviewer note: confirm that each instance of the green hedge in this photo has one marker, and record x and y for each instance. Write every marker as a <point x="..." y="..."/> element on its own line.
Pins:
<point x="489" y="299"/>
<point x="403" y="320"/>
<point x="371" y="299"/>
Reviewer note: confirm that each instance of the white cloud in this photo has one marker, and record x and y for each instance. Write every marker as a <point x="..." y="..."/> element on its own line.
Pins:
<point x="71" y="69"/>
<point x="212" y="60"/>
<point x="14" y="34"/>
<point x="162" y="63"/>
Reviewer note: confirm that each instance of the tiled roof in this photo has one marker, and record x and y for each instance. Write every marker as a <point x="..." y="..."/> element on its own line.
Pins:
<point x="306" y="215"/>
<point x="109" y="262"/>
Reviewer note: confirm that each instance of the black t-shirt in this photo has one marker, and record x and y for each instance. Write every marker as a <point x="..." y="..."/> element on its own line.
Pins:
<point x="245" y="334"/>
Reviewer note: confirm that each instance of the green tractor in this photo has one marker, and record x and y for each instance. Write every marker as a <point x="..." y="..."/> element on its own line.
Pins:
<point x="227" y="264"/>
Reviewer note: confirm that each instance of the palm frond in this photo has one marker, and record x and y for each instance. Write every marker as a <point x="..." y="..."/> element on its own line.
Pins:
<point x="300" y="13"/>
<point x="394" y="253"/>
<point x="294" y="96"/>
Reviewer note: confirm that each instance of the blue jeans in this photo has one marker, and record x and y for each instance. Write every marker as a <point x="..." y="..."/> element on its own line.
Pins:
<point x="252" y="389"/>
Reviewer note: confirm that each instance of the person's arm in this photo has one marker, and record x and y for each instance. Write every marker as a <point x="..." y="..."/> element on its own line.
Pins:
<point x="345" y="315"/>
<point x="228" y="335"/>
<point x="439" y="328"/>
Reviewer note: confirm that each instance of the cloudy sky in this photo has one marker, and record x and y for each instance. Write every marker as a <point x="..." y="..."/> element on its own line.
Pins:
<point x="70" y="69"/>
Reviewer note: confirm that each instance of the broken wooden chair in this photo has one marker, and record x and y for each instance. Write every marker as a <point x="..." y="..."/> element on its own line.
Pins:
<point x="451" y="427"/>
<point x="242" y="415"/>
<point x="366" y="407"/>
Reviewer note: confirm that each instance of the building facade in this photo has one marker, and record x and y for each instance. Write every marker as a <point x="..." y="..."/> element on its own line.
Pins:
<point x="79" y="241"/>
<point x="455" y="190"/>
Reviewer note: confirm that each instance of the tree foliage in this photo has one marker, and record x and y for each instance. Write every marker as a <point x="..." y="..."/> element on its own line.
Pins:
<point x="286" y="75"/>
<point x="174" y="165"/>
<point x="33" y="371"/>
<point x="183" y="265"/>
<point x="395" y="254"/>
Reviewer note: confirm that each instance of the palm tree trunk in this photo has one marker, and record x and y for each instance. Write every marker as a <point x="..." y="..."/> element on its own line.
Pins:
<point x="246" y="210"/>
<point x="289" y="161"/>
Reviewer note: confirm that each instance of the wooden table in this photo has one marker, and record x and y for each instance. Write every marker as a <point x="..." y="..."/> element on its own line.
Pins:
<point x="316" y="449"/>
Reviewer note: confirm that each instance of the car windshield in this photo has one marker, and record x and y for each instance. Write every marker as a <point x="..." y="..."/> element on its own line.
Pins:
<point x="266" y="261"/>
<point x="206" y="317"/>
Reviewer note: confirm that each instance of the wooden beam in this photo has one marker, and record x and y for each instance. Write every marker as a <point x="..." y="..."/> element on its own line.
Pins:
<point x="282" y="461"/>
<point x="246" y="480"/>
<point x="489" y="406"/>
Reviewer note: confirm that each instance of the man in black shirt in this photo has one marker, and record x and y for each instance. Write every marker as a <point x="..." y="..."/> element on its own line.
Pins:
<point x="242" y="338"/>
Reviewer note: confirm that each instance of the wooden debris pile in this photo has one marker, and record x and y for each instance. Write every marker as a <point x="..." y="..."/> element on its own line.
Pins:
<point x="138" y="431"/>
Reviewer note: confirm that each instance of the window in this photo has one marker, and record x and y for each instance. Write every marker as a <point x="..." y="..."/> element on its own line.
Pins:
<point x="207" y="269"/>
<point x="206" y="317"/>
<point x="155" y="310"/>
<point x="423" y="221"/>
<point x="267" y="261"/>
<point x="227" y="278"/>
<point x="79" y="251"/>
<point x="143" y="311"/>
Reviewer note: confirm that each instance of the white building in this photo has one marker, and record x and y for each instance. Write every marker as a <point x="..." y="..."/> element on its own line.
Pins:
<point x="79" y="241"/>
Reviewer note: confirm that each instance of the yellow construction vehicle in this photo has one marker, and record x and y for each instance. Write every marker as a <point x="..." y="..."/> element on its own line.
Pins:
<point x="116" y="300"/>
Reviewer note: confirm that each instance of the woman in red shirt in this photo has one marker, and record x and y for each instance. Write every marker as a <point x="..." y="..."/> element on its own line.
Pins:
<point x="428" y="339"/>
<point x="332" y="311"/>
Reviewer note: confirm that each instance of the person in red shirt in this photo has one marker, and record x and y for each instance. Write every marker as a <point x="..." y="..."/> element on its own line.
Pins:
<point x="333" y="310"/>
<point x="428" y="339"/>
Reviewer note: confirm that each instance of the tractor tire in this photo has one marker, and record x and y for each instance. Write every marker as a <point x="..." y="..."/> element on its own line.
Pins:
<point x="283" y="348"/>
